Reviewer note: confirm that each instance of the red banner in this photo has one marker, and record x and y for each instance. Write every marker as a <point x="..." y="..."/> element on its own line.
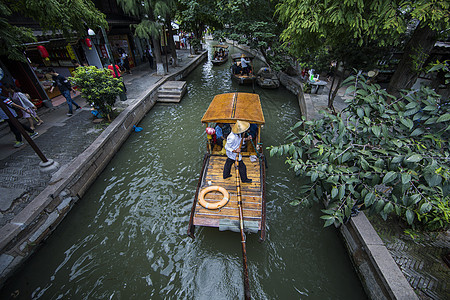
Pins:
<point x="103" y="50"/>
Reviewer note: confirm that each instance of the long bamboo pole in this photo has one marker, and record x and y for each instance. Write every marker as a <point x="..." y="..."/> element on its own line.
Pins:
<point x="241" y="225"/>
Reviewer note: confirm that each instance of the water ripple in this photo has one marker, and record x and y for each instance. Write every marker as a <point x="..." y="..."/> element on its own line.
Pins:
<point x="127" y="237"/>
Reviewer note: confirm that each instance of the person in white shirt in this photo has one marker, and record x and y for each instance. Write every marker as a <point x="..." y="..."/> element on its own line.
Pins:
<point x="233" y="147"/>
<point x="245" y="65"/>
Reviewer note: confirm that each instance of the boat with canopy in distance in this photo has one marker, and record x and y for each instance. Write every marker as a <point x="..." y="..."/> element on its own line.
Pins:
<point x="210" y="207"/>
<point x="242" y="76"/>
<point x="220" y="54"/>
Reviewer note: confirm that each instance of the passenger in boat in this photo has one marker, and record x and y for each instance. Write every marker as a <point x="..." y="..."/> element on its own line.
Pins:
<point x="232" y="147"/>
<point x="251" y="132"/>
<point x="236" y="68"/>
<point x="226" y="129"/>
<point x="221" y="54"/>
<point x="219" y="134"/>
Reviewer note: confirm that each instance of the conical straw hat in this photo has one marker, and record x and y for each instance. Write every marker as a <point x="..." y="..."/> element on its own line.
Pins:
<point x="240" y="127"/>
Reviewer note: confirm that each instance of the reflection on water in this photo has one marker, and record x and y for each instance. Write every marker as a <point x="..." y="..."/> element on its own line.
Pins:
<point x="127" y="238"/>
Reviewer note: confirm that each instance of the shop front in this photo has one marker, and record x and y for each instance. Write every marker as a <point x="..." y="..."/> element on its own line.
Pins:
<point x="60" y="56"/>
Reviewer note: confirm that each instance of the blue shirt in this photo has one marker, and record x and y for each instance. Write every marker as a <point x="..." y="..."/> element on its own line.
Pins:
<point x="218" y="130"/>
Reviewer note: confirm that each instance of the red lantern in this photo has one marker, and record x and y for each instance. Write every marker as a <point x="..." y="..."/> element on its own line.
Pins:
<point x="43" y="52"/>
<point x="88" y="43"/>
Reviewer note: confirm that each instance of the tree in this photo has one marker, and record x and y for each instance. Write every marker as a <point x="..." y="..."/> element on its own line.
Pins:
<point x="388" y="23"/>
<point x="196" y="15"/>
<point x="150" y="26"/>
<point x="98" y="87"/>
<point x="69" y="17"/>
<point x="252" y="22"/>
<point x="382" y="154"/>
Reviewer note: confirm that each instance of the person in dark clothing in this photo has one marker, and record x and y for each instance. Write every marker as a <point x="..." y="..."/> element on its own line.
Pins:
<point x="149" y="55"/>
<point x="226" y="129"/>
<point x="64" y="87"/>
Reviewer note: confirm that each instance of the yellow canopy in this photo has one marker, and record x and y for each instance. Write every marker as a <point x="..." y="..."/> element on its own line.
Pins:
<point x="230" y="107"/>
<point x="221" y="46"/>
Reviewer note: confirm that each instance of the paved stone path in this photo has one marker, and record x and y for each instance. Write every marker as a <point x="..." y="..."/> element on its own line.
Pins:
<point x="60" y="138"/>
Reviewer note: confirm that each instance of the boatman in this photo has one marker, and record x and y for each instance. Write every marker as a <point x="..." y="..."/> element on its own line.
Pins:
<point x="233" y="148"/>
<point x="245" y="65"/>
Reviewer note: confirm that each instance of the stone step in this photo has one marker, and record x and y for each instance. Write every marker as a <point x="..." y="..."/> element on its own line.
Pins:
<point x="172" y="91"/>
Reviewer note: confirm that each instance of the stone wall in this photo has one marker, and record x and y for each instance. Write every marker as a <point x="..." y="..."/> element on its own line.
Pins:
<point x="295" y="86"/>
<point x="22" y="236"/>
<point x="380" y="275"/>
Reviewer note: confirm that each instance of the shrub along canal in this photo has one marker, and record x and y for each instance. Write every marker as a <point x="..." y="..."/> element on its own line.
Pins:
<point x="127" y="237"/>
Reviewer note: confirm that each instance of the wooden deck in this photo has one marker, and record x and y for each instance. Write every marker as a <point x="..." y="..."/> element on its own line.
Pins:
<point x="252" y="195"/>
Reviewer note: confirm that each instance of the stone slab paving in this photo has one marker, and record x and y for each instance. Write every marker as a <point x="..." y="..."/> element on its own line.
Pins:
<point x="20" y="177"/>
<point x="420" y="260"/>
<point x="62" y="139"/>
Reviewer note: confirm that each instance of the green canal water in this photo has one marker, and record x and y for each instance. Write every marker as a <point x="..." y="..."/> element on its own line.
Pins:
<point x="127" y="237"/>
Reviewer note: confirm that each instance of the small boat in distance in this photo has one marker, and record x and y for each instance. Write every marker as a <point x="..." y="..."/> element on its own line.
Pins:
<point x="238" y="73"/>
<point x="220" y="55"/>
<point x="267" y="79"/>
<point x="226" y="109"/>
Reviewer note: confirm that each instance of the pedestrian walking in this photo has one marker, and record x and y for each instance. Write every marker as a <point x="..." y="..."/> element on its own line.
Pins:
<point x="30" y="109"/>
<point x="119" y="75"/>
<point x="64" y="87"/>
<point x="149" y="55"/>
<point x="11" y="105"/>
<point x="124" y="60"/>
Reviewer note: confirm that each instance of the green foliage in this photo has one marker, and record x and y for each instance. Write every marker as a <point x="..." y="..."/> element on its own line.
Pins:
<point x="307" y="87"/>
<point x="251" y="22"/>
<point x="383" y="21"/>
<point x="98" y="87"/>
<point x="151" y="15"/>
<point x="196" y="15"/>
<point x="381" y="154"/>
<point x="441" y="67"/>
<point x="12" y="37"/>
<point x="69" y="17"/>
<point x="196" y="44"/>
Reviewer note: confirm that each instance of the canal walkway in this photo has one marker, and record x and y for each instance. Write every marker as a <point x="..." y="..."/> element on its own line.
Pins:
<point x="63" y="139"/>
<point x="60" y="138"/>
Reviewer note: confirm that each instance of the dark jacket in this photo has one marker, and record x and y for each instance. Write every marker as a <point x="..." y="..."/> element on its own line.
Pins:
<point x="62" y="83"/>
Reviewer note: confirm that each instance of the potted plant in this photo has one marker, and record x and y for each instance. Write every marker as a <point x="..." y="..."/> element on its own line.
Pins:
<point x="98" y="87"/>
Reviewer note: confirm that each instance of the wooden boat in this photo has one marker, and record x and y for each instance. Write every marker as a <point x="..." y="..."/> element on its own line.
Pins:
<point x="236" y="72"/>
<point x="267" y="79"/>
<point x="220" y="55"/>
<point x="227" y="109"/>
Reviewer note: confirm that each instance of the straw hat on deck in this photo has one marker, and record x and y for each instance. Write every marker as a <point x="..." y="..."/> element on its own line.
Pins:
<point x="240" y="127"/>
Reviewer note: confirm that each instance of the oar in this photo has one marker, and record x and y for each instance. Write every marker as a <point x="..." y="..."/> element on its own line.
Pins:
<point x="241" y="225"/>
